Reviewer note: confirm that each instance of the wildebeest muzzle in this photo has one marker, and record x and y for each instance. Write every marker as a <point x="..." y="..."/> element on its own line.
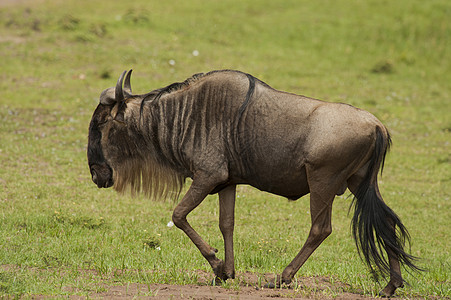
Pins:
<point x="102" y="175"/>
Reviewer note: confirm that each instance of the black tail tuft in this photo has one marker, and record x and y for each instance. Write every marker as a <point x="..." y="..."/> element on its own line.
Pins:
<point x="372" y="223"/>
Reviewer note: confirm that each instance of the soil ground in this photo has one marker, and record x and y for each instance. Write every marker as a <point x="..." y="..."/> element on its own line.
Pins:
<point x="249" y="287"/>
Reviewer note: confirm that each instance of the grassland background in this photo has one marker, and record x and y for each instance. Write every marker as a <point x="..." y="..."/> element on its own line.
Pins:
<point x="392" y="58"/>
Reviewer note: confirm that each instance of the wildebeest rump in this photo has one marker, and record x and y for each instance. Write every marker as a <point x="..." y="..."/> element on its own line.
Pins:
<point x="225" y="128"/>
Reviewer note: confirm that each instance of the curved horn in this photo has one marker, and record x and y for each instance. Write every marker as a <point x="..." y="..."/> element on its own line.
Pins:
<point x="119" y="94"/>
<point x="127" y="85"/>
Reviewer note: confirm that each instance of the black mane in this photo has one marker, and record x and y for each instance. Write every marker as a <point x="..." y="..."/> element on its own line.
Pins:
<point x="176" y="86"/>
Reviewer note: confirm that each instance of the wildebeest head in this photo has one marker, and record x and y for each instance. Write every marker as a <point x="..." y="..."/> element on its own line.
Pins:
<point x="119" y="151"/>
<point x="108" y="124"/>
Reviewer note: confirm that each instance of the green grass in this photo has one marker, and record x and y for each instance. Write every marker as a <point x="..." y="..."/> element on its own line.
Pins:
<point x="60" y="235"/>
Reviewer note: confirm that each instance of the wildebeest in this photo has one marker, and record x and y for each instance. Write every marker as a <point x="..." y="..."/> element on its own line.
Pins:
<point x="225" y="128"/>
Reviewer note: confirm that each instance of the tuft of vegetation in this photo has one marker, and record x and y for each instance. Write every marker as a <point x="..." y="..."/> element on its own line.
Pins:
<point x="80" y="221"/>
<point x="384" y="67"/>
<point x="60" y="235"/>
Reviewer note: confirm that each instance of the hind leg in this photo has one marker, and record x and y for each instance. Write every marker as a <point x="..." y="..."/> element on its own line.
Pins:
<point x="321" y="228"/>
<point x="324" y="184"/>
<point x="396" y="280"/>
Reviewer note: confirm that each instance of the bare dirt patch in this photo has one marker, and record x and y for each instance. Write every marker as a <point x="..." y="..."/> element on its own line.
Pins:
<point x="165" y="291"/>
<point x="246" y="286"/>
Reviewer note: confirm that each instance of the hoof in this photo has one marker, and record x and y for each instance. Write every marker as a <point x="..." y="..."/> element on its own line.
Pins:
<point x="390" y="289"/>
<point x="383" y="295"/>
<point x="216" y="281"/>
<point x="219" y="280"/>
<point x="271" y="285"/>
<point x="277" y="284"/>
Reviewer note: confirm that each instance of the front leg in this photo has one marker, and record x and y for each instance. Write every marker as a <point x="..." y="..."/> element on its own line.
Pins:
<point x="226" y="224"/>
<point x="197" y="192"/>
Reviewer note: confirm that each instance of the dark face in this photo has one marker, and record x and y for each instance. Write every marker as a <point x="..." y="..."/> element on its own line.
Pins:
<point x="101" y="172"/>
<point x="108" y="142"/>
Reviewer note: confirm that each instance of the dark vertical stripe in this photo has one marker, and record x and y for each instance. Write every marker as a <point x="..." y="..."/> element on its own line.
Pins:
<point x="249" y="94"/>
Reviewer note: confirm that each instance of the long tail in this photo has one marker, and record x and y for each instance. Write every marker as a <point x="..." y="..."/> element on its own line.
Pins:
<point x="372" y="223"/>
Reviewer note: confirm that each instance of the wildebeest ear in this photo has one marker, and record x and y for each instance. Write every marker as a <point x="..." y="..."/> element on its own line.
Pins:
<point x="107" y="97"/>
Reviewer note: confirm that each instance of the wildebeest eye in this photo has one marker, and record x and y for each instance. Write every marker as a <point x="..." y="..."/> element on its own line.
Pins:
<point x="103" y="121"/>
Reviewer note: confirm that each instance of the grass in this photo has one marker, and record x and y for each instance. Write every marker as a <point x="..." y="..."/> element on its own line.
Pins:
<point x="60" y="235"/>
